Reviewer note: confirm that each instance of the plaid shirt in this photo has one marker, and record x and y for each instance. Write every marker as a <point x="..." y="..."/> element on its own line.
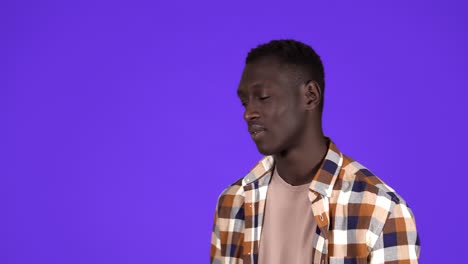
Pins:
<point x="359" y="218"/>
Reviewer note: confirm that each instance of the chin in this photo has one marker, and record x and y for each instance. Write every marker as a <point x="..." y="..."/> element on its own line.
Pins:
<point x="266" y="150"/>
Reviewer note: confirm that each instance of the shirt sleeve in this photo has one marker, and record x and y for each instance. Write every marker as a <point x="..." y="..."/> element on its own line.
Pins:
<point x="399" y="241"/>
<point x="215" y="251"/>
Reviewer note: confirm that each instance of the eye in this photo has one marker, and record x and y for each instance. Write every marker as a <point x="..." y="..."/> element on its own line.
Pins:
<point x="263" y="98"/>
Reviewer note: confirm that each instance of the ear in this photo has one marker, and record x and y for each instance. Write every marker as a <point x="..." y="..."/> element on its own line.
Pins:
<point x="312" y="95"/>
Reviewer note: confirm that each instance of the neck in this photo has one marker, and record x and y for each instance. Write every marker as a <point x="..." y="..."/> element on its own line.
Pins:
<point x="298" y="165"/>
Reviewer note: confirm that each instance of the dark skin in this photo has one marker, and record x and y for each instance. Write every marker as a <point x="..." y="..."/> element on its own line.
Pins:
<point x="284" y="118"/>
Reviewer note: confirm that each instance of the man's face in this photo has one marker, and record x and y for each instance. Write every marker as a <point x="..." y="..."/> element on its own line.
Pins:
<point x="272" y="104"/>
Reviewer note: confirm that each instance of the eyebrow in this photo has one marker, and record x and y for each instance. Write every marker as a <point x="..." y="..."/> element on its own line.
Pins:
<point x="256" y="85"/>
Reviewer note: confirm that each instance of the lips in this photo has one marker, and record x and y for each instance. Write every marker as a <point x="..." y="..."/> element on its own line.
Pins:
<point x="256" y="131"/>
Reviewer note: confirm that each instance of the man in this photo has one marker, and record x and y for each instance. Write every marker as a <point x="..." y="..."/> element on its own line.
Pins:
<point x="305" y="201"/>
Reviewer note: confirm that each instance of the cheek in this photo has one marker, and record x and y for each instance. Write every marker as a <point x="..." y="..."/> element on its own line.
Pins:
<point x="285" y="119"/>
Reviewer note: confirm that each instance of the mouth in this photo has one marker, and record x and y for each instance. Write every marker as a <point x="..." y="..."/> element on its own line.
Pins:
<point x="256" y="131"/>
<point x="257" y="135"/>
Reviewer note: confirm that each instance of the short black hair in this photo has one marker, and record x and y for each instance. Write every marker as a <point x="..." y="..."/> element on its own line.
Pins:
<point x="294" y="53"/>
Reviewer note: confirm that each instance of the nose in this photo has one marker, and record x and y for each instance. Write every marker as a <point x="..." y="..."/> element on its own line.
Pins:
<point x="251" y="113"/>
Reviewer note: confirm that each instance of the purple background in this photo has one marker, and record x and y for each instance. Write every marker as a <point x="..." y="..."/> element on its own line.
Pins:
<point x="121" y="126"/>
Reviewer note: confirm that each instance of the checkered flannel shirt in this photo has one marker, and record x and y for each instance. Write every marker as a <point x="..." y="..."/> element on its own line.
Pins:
<point x="359" y="218"/>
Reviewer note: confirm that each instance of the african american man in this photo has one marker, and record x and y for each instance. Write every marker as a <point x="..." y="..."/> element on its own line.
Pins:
<point x="305" y="201"/>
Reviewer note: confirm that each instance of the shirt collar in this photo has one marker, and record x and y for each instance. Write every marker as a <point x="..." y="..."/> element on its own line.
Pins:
<point x="323" y="180"/>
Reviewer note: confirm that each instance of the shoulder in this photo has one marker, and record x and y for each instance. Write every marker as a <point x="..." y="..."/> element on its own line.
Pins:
<point x="234" y="191"/>
<point x="364" y="182"/>
<point x="368" y="198"/>
<point x="232" y="198"/>
<point x="230" y="202"/>
<point x="251" y="181"/>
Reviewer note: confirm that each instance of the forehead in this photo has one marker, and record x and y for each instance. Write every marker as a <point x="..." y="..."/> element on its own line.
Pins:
<point x="263" y="72"/>
<point x="262" y="68"/>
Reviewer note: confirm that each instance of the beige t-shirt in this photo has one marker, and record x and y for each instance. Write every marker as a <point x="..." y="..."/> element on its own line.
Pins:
<point x="288" y="226"/>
